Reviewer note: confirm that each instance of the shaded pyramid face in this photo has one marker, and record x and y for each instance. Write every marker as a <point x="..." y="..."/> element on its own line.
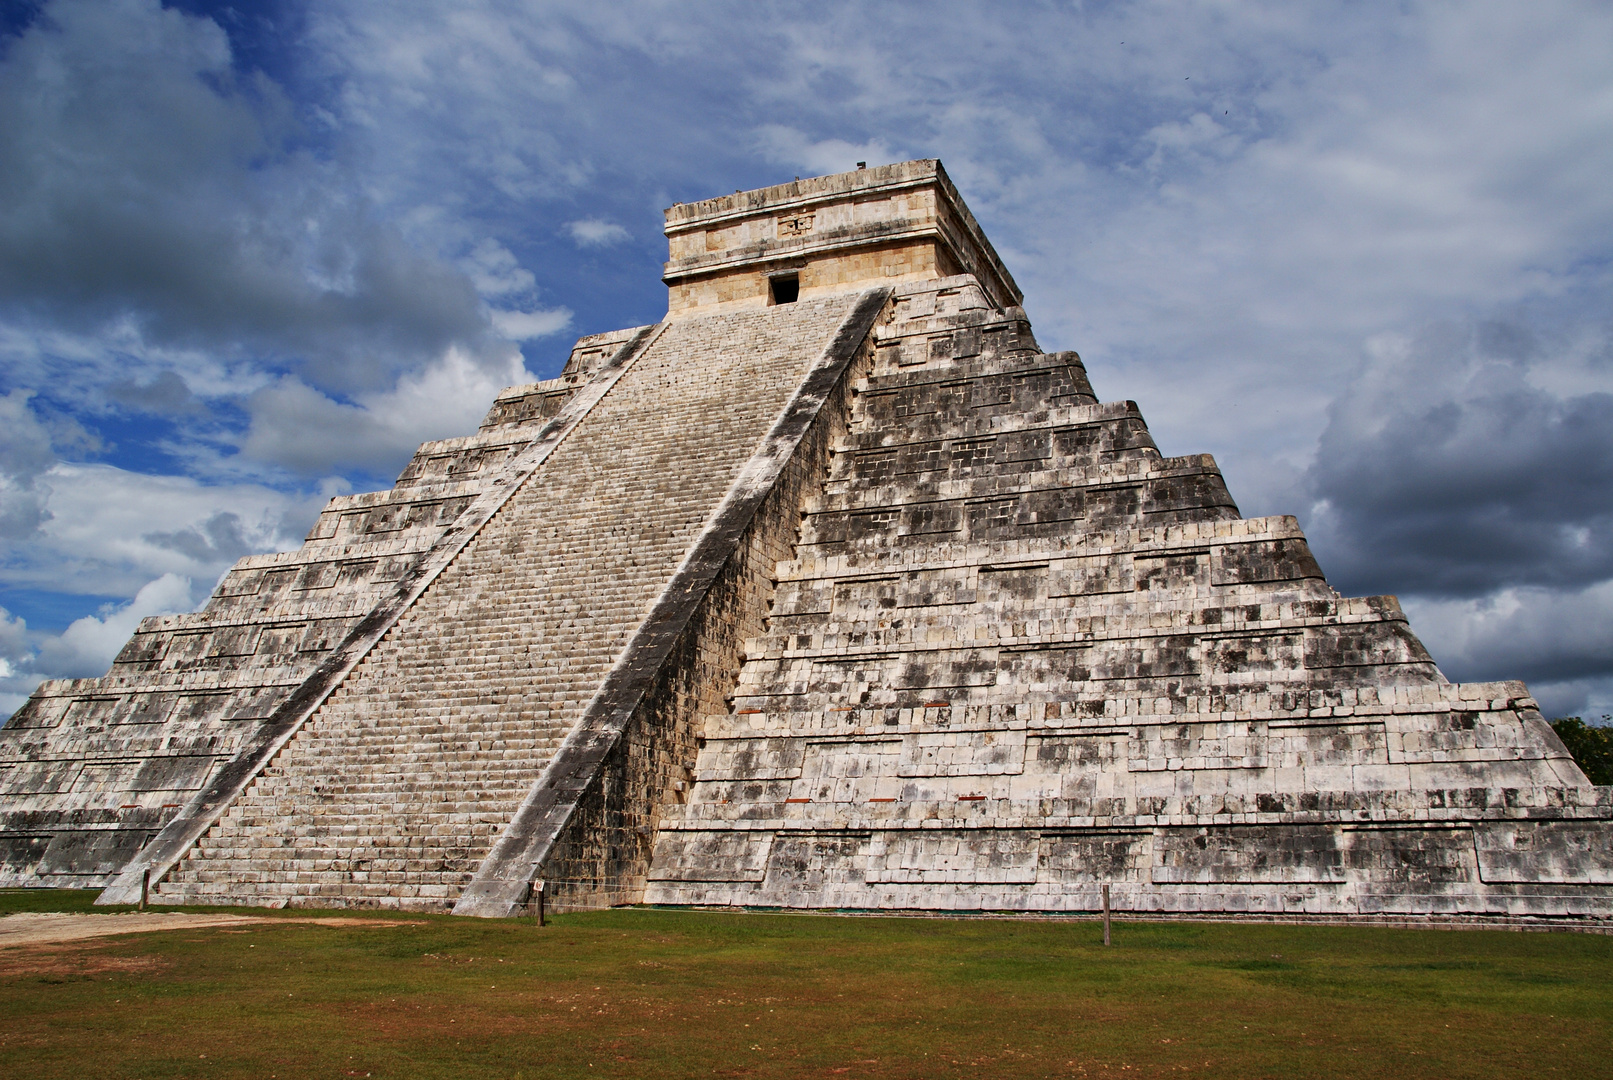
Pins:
<point x="829" y="590"/>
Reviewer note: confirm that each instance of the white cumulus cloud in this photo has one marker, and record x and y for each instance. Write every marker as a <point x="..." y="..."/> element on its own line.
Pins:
<point x="787" y="146"/>
<point x="592" y="232"/>
<point x="526" y="325"/>
<point x="87" y="647"/>
<point x="299" y="428"/>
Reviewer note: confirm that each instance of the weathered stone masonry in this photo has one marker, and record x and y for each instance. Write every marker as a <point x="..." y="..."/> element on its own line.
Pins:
<point x="1020" y="655"/>
<point x="588" y="827"/>
<point x="831" y="590"/>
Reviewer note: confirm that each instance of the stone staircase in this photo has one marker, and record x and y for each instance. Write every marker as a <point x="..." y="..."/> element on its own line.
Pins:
<point x="91" y="769"/>
<point x="392" y="811"/>
<point x="399" y="785"/>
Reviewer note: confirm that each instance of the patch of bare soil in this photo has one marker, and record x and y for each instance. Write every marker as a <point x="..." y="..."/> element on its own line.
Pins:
<point x="335" y="921"/>
<point x="59" y="962"/>
<point x="41" y="928"/>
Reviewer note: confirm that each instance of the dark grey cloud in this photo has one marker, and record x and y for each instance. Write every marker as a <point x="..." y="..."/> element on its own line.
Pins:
<point x="303" y="431"/>
<point x="1539" y="634"/>
<point x="219" y="539"/>
<point x="165" y="392"/>
<point x="25" y="453"/>
<point x="1588" y="699"/>
<point x="143" y="178"/>
<point x="25" y="450"/>
<point x="1454" y="468"/>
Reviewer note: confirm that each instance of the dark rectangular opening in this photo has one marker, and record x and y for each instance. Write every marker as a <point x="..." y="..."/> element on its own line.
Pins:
<point x="786" y="290"/>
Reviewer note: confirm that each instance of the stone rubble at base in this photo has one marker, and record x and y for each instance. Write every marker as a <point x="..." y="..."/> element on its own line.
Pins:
<point x="860" y="601"/>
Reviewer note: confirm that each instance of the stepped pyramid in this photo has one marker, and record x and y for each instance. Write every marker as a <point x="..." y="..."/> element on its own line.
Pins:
<point x="831" y="589"/>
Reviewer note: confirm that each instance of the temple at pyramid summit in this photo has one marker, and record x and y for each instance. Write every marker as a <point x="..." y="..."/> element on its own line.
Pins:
<point x="831" y="590"/>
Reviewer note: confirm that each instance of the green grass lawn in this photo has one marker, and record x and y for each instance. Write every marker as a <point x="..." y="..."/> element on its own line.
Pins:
<point x="645" y="993"/>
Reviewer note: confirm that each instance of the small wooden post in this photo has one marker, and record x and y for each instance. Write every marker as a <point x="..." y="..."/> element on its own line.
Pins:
<point x="537" y="892"/>
<point x="145" y="887"/>
<point x="1106" y="913"/>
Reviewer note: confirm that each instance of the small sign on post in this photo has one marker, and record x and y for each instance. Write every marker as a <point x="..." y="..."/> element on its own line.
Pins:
<point x="1106" y="913"/>
<point x="145" y="887"/>
<point x="537" y="897"/>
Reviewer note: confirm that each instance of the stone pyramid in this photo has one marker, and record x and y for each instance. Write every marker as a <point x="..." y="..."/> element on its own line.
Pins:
<point x="830" y="590"/>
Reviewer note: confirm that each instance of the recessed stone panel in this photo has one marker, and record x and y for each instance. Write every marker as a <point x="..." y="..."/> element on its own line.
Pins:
<point x="1553" y="852"/>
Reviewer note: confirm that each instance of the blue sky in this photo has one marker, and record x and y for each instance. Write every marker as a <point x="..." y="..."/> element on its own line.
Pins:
<point x="251" y="254"/>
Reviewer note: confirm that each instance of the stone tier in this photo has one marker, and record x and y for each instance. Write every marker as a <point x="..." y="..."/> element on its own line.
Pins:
<point x="1019" y="654"/>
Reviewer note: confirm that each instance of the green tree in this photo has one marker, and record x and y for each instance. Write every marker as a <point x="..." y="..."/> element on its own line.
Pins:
<point x="1591" y="745"/>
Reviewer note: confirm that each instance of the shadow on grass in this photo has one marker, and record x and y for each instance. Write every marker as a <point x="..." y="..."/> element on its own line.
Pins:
<point x="69" y="900"/>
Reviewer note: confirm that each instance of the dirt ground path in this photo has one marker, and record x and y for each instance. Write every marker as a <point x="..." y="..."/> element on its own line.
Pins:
<point x="45" y="928"/>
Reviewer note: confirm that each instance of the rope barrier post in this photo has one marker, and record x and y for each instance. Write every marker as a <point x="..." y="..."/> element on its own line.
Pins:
<point x="145" y="887"/>
<point x="1106" y="913"/>
<point x="537" y="889"/>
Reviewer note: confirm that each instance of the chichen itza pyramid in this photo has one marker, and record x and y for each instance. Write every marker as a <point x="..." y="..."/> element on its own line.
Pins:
<point x="831" y="590"/>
